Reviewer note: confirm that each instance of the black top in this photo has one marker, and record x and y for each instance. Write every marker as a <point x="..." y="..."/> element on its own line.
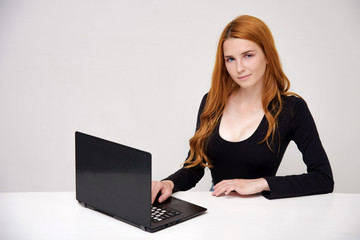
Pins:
<point x="248" y="159"/>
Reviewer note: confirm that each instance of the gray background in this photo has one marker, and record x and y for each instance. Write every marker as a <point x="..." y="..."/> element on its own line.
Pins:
<point x="135" y="71"/>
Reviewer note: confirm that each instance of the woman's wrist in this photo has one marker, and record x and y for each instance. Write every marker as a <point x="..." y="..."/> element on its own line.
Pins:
<point x="264" y="185"/>
<point x="169" y="183"/>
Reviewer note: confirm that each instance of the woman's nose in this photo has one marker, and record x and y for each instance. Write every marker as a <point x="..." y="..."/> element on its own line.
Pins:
<point x="240" y="67"/>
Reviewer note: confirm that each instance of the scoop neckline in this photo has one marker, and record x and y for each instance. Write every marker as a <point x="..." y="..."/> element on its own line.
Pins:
<point x="241" y="141"/>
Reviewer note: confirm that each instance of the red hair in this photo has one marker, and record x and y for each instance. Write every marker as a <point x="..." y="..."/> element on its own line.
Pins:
<point x="276" y="84"/>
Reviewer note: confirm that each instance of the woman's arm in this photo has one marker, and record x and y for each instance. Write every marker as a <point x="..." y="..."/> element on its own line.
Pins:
<point x="319" y="178"/>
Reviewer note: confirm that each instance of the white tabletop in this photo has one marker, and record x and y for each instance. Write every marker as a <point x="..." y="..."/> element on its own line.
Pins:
<point x="57" y="215"/>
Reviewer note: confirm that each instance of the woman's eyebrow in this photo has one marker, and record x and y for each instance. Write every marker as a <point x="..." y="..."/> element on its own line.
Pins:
<point x="246" y="52"/>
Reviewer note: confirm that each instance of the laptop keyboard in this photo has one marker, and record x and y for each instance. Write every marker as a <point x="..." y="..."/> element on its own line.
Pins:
<point x="159" y="214"/>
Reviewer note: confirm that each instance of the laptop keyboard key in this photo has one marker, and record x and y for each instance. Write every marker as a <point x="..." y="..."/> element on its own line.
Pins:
<point x="161" y="213"/>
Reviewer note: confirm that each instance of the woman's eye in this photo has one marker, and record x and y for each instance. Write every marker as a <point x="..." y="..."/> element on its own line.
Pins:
<point x="248" y="55"/>
<point x="230" y="59"/>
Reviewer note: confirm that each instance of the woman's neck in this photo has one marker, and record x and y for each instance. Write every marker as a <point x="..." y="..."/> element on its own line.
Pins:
<point x="249" y="97"/>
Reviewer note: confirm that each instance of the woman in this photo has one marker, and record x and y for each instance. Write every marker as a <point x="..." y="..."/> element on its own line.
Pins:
<point x="246" y="122"/>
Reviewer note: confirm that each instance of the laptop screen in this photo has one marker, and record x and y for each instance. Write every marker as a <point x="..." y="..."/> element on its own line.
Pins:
<point x="113" y="178"/>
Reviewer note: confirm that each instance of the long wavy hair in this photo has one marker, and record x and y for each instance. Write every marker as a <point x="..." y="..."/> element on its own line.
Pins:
<point x="275" y="85"/>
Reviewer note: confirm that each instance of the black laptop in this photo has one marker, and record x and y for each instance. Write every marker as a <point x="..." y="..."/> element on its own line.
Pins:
<point x="116" y="180"/>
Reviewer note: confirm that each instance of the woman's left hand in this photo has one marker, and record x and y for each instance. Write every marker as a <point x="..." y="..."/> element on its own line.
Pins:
<point x="241" y="186"/>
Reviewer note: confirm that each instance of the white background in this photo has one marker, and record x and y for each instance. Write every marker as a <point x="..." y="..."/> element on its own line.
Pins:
<point x="135" y="72"/>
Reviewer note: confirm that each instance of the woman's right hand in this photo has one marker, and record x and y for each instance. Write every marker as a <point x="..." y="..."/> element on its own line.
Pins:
<point x="164" y="187"/>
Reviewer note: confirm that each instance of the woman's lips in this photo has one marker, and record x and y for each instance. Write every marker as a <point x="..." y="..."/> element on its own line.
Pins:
<point x="244" y="77"/>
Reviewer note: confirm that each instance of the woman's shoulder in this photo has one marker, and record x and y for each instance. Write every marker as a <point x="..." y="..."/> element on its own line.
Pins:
<point x="205" y="97"/>
<point x="294" y="102"/>
<point x="294" y="106"/>
<point x="203" y="101"/>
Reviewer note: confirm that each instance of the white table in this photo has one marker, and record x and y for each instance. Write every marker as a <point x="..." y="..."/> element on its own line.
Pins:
<point x="57" y="215"/>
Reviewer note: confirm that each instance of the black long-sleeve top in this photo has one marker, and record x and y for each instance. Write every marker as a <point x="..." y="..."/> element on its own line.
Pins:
<point x="249" y="159"/>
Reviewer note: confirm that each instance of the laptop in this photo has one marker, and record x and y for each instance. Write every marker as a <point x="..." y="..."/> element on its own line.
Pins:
<point x="115" y="179"/>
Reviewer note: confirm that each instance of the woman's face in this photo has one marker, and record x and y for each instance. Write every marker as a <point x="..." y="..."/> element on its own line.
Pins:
<point x="245" y="62"/>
